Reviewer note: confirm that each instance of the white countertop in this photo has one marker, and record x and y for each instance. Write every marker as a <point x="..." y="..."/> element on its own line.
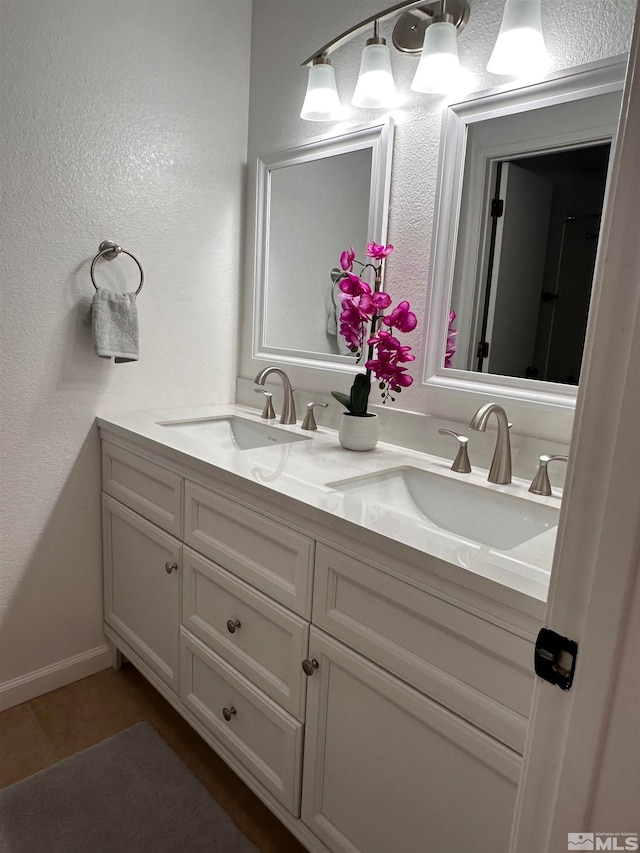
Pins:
<point x="300" y="470"/>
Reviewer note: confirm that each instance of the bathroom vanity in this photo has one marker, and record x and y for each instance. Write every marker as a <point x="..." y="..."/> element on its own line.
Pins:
<point x="366" y="673"/>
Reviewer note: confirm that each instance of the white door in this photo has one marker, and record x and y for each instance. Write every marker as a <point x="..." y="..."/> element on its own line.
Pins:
<point x="387" y="769"/>
<point x="518" y="270"/>
<point x="570" y="782"/>
<point x="142" y="587"/>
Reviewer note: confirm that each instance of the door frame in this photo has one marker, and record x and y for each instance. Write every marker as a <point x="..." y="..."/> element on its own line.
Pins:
<point x="597" y="553"/>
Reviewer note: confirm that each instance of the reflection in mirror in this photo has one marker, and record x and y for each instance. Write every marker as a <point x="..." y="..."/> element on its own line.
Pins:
<point x="314" y="208"/>
<point x="313" y="202"/>
<point x="542" y="225"/>
<point x="522" y="181"/>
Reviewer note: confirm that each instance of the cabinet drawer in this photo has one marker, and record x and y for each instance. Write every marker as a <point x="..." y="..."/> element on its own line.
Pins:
<point x="272" y="557"/>
<point x="479" y="670"/>
<point x="150" y="489"/>
<point x="266" y="739"/>
<point x="269" y="643"/>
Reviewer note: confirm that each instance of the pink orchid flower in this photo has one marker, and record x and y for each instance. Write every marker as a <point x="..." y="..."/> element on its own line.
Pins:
<point x="352" y="314"/>
<point x="402" y="380"/>
<point x="381" y="300"/>
<point x="347" y="258"/>
<point x="390" y="348"/>
<point x="391" y="355"/>
<point x="384" y="341"/>
<point x="351" y="336"/>
<point x="402" y="318"/>
<point x="362" y="320"/>
<point x="386" y="371"/>
<point x="353" y="285"/>
<point x="364" y="305"/>
<point x="372" y="302"/>
<point x="375" y="250"/>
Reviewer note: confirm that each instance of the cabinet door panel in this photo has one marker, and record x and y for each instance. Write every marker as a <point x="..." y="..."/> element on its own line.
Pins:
<point x="142" y="600"/>
<point x="388" y="769"/>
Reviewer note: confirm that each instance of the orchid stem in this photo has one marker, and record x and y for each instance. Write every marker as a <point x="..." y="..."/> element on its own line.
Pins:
<point x="374" y="320"/>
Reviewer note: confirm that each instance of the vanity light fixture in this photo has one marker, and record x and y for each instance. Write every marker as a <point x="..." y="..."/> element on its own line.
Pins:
<point x="375" y="88"/>
<point x="520" y="50"/>
<point x="429" y="29"/>
<point x="439" y="70"/>
<point x="321" y="102"/>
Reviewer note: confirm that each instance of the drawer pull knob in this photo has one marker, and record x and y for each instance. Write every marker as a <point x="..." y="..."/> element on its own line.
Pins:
<point x="227" y="713"/>
<point x="232" y="625"/>
<point x="310" y="666"/>
<point x="170" y="567"/>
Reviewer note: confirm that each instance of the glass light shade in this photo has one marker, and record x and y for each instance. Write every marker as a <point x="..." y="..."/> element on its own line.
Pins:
<point x="375" y="88"/>
<point x="438" y="71"/>
<point x="520" y="49"/>
<point x="321" y="102"/>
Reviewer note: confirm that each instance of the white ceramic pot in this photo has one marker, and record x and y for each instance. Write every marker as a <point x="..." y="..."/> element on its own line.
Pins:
<point x="358" y="433"/>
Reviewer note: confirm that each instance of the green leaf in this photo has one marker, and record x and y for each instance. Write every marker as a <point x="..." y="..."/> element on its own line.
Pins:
<point x="360" y="394"/>
<point x="343" y="399"/>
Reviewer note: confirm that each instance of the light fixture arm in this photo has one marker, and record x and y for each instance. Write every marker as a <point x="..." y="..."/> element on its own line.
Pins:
<point x="419" y="9"/>
<point x="376" y="39"/>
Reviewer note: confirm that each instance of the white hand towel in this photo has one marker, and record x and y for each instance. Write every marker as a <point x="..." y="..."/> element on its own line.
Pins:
<point x="115" y="325"/>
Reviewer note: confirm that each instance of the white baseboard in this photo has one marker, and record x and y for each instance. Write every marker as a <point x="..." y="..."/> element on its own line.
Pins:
<point x="56" y="675"/>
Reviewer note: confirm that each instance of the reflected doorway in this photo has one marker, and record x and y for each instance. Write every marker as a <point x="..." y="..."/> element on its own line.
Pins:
<point x="545" y="220"/>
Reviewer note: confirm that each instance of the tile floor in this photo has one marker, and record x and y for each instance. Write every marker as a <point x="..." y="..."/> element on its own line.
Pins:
<point x="40" y="732"/>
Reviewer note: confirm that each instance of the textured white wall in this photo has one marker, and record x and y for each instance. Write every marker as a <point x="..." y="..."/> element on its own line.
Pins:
<point x="287" y="31"/>
<point x="125" y="121"/>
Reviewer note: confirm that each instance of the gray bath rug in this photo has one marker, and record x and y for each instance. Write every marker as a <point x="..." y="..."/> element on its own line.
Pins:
<point x="128" y="794"/>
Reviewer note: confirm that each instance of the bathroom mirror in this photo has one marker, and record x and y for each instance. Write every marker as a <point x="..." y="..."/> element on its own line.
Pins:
<point x="313" y="201"/>
<point x="521" y="185"/>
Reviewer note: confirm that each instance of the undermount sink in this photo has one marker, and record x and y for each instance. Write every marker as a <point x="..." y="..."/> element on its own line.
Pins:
<point x="232" y="433"/>
<point x="492" y="518"/>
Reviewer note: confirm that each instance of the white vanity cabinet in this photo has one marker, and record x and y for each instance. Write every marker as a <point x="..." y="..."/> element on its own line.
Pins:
<point x="230" y="652"/>
<point x="406" y="731"/>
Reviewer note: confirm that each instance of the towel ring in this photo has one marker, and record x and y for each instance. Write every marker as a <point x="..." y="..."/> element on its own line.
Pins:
<point x="109" y="251"/>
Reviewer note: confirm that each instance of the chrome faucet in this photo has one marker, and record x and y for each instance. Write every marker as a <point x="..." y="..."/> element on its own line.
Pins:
<point x="288" y="415"/>
<point x="500" y="471"/>
<point x="461" y="463"/>
<point x="541" y="484"/>
<point x="309" y="422"/>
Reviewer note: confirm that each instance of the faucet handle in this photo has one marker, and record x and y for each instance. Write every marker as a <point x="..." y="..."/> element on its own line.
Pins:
<point x="309" y="421"/>
<point x="461" y="463"/>
<point x="268" y="413"/>
<point x="541" y="484"/>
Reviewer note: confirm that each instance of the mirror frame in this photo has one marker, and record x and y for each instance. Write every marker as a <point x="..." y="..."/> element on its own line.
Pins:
<point x="597" y="78"/>
<point x="378" y="136"/>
